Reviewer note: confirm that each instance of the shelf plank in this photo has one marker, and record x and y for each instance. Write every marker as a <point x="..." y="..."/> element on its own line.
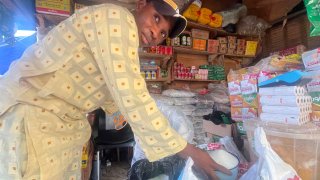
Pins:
<point x="198" y="52"/>
<point x="197" y="80"/>
<point x="156" y="80"/>
<point x="143" y="55"/>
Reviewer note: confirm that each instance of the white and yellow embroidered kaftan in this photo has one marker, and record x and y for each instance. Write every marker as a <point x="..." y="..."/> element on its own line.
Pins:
<point x="88" y="61"/>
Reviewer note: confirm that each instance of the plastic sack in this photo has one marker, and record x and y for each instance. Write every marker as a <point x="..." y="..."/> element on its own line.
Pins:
<point x="191" y="173"/>
<point x="169" y="167"/>
<point x="201" y="112"/>
<point x="204" y="101"/>
<point x="162" y="99"/>
<point x="220" y="97"/>
<point x="178" y="121"/>
<point x="269" y="165"/>
<point x="222" y="107"/>
<point x="313" y="12"/>
<point x="184" y="101"/>
<point x="178" y="93"/>
<point x="252" y="25"/>
<point x="231" y="147"/>
<point x="233" y="15"/>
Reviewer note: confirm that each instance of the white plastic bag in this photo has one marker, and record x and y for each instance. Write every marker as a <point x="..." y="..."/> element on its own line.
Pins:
<point x="178" y="121"/>
<point x="269" y="166"/>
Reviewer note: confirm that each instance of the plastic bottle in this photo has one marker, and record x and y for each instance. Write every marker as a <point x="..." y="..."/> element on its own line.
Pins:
<point x="204" y="17"/>
<point x="215" y="20"/>
<point x="192" y="12"/>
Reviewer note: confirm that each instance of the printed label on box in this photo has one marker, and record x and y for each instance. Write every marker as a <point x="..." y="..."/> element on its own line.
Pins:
<point x="315" y="100"/>
<point x="236" y="101"/>
<point x="249" y="86"/>
<point x="234" y="87"/>
<point x="250" y="100"/>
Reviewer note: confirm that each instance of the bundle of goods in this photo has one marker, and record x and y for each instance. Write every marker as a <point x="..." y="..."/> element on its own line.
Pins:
<point x="215" y="72"/>
<point x="219" y="94"/>
<point x="282" y="61"/>
<point x="186" y="102"/>
<point x="242" y="85"/>
<point x="285" y="104"/>
<point x="314" y="91"/>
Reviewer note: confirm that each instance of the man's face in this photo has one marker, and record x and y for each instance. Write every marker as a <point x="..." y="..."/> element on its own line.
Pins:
<point x="153" y="28"/>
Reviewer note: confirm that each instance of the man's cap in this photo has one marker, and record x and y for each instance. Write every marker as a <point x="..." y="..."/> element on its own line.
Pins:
<point x="171" y="9"/>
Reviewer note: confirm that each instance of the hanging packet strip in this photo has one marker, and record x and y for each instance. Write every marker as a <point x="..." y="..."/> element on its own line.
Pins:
<point x="313" y="11"/>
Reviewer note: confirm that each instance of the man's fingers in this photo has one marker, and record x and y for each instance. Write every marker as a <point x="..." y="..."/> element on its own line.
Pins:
<point x="213" y="176"/>
<point x="222" y="169"/>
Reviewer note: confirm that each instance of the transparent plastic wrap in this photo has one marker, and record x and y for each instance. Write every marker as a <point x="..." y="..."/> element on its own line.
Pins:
<point x="222" y="86"/>
<point x="162" y="99"/>
<point x="184" y="101"/>
<point x="178" y="93"/>
<point x="178" y="121"/>
<point x="252" y="25"/>
<point x="231" y="147"/>
<point x="204" y="101"/>
<point x="222" y="107"/>
<point x="199" y="134"/>
<point x="233" y="15"/>
<point x="220" y="96"/>
<point x="276" y="63"/>
<point x="202" y="112"/>
<point x="186" y="109"/>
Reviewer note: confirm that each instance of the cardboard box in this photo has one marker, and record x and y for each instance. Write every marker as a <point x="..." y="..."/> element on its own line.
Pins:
<point x="213" y="49"/>
<point x="222" y="40"/>
<point x="223" y="48"/>
<point x="240" y="51"/>
<point x="241" y="43"/>
<point x="250" y="100"/>
<point x="219" y="130"/>
<point x="56" y="7"/>
<point x="243" y="114"/>
<point x="201" y="34"/>
<point x="232" y="39"/>
<point x="315" y="116"/>
<point x="232" y="46"/>
<point x="199" y="44"/>
<point x="251" y="48"/>
<point x="212" y="45"/>
<point x="231" y="51"/>
<point x="236" y="101"/>
<point x="213" y="42"/>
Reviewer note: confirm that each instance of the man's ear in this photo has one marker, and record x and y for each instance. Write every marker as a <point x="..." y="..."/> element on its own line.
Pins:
<point x="140" y="4"/>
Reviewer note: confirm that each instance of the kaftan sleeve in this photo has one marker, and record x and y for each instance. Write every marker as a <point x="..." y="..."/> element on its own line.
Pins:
<point x="112" y="36"/>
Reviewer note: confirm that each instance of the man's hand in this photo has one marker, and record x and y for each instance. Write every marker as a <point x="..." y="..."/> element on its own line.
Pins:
<point x="203" y="161"/>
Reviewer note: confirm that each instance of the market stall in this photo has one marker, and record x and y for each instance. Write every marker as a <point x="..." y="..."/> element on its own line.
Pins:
<point x="241" y="82"/>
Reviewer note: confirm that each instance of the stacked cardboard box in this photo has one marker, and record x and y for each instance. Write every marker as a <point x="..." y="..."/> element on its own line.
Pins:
<point x="243" y="95"/>
<point x="232" y="44"/>
<point x="56" y="7"/>
<point x="223" y="45"/>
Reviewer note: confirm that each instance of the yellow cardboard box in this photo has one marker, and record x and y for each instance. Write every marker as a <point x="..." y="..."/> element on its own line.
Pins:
<point x="56" y="7"/>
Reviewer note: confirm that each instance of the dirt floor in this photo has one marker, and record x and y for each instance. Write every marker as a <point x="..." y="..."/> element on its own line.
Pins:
<point x="115" y="171"/>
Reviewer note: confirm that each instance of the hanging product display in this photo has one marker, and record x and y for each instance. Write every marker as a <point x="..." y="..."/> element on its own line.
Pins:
<point x="313" y="12"/>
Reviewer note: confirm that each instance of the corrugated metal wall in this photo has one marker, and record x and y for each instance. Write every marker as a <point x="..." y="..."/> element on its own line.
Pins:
<point x="295" y="32"/>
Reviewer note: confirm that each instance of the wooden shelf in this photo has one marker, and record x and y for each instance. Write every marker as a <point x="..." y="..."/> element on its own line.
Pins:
<point x="143" y="55"/>
<point x="156" y="80"/>
<point x="197" y="80"/>
<point x="198" y="52"/>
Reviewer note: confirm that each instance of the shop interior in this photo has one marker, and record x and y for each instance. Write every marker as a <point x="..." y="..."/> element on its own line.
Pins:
<point x="241" y="81"/>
